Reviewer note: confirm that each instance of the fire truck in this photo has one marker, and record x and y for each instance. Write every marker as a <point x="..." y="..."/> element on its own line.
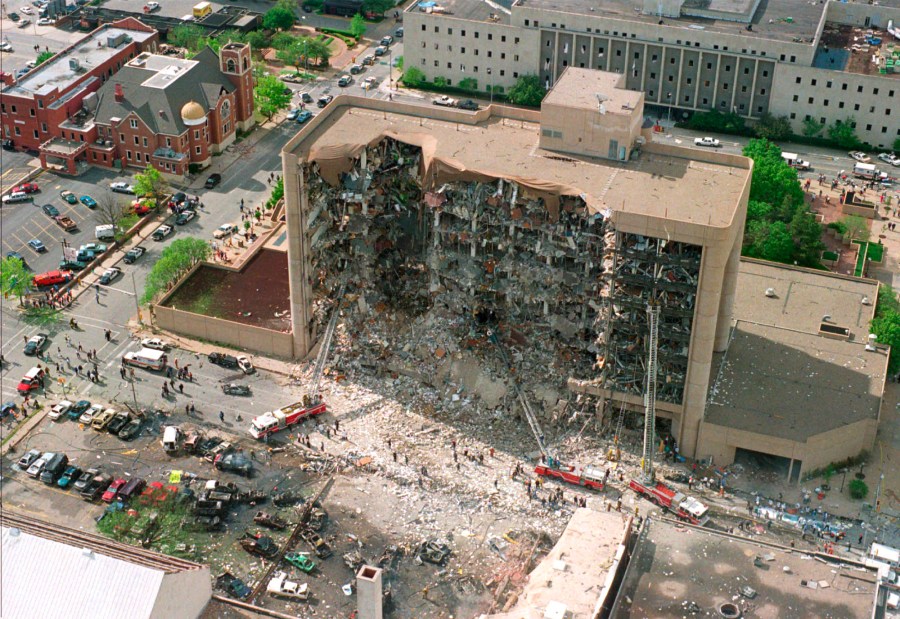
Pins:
<point x="684" y="507"/>
<point x="588" y="477"/>
<point x="311" y="405"/>
<point x="277" y="420"/>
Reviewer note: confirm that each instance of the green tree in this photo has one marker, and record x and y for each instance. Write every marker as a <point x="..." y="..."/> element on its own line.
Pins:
<point x="897" y="145"/>
<point x="378" y="7"/>
<point x="807" y="235"/>
<point x="773" y="127"/>
<point x="174" y="261"/>
<point x="856" y="226"/>
<point x="757" y="210"/>
<point x="270" y="96"/>
<point x="292" y="54"/>
<point x="528" y="90"/>
<point x="185" y="35"/>
<point x="413" y="77"/>
<point x="319" y="51"/>
<point x="440" y="82"/>
<point x="151" y="183"/>
<point x="778" y="245"/>
<point x="279" y="17"/>
<point x="812" y="127"/>
<point x="282" y="40"/>
<point x="14" y="278"/>
<point x="858" y="489"/>
<point x="357" y="26"/>
<point x="468" y="83"/>
<point x="257" y="39"/>
<point x="774" y="181"/>
<point x="843" y="134"/>
<point x="44" y="57"/>
<point x="887" y="301"/>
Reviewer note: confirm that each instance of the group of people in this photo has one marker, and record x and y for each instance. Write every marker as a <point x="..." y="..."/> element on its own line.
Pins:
<point x="53" y="300"/>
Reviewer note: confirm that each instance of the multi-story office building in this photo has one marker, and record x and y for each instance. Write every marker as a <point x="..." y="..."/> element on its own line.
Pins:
<point x="786" y="57"/>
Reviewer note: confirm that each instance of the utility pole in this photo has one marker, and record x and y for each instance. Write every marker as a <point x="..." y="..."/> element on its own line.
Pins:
<point x="137" y="305"/>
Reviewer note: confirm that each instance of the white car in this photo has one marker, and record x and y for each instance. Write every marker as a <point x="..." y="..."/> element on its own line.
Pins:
<point x="368" y="83"/>
<point x="707" y="141"/>
<point x="889" y="158"/>
<point x="5" y="46"/>
<point x="109" y="275"/>
<point x="155" y="343"/>
<point x="121" y="187"/>
<point x="280" y="586"/>
<point x="88" y="415"/>
<point x="859" y="156"/>
<point x="45" y="21"/>
<point x="225" y="230"/>
<point x="27" y="10"/>
<point x="445" y="101"/>
<point x="245" y="365"/>
<point x="152" y="6"/>
<point x="59" y="410"/>
<point x="162" y="232"/>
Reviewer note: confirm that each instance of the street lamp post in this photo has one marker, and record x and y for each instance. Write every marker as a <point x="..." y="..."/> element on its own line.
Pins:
<point x="491" y="87"/>
<point x="390" y="68"/>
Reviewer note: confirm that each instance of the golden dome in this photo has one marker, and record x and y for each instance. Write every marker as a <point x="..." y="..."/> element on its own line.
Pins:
<point x="192" y="111"/>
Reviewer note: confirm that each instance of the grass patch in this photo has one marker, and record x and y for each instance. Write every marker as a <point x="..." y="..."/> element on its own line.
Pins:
<point x="876" y="252"/>
<point x="870" y="251"/>
<point x="203" y="304"/>
<point x="829" y="255"/>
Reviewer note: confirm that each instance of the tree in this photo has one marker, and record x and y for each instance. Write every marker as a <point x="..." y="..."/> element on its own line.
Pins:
<point x="292" y="54"/>
<point x="378" y="7"/>
<point x="14" y="278"/>
<point x="318" y="50"/>
<point x="843" y="134"/>
<point x="774" y="181"/>
<point x="282" y="40"/>
<point x="174" y="261"/>
<point x="897" y="145"/>
<point x="44" y="57"/>
<point x="856" y="226"/>
<point x="151" y="183"/>
<point x="887" y="301"/>
<point x="757" y="210"/>
<point x="413" y="77"/>
<point x="812" y="127"/>
<point x="358" y="26"/>
<point x="270" y="96"/>
<point x="807" y="234"/>
<point x="528" y="90"/>
<point x="257" y="39"/>
<point x="279" y="17"/>
<point x="773" y="127"/>
<point x="110" y="210"/>
<point x="858" y="489"/>
<point x="185" y="35"/>
<point x="468" y="83"/>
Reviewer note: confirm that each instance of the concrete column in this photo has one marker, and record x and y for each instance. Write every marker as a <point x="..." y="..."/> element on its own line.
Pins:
<point x="368" y="592"/>
<point x="726" y="303"/>
<point x="295" y="207"/>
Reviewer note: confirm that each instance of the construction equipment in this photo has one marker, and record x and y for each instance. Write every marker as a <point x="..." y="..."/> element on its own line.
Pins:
<point x="311" y="405"/>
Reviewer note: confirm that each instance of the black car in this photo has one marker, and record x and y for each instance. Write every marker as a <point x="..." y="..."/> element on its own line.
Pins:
<point x="235" y="587"/>
<point x="467" y="104"/>
<point x="213" y="180"/>
<point x="235" y="462"/>
<point x="50" y="210"/>
<point x="133" y="254"/>
<point x="226" y="361"/>
<point x="325" y="100"/>
<point x="179" y="197"/>
<point x="96" y="487"/>
<point x="85" y="478"/>
<point x="13" y="16"/>
<point x="131" y="430"/>
<point x="17" y="256"/>
<point x="35" y="344"/>
<point x="118" y="422"/>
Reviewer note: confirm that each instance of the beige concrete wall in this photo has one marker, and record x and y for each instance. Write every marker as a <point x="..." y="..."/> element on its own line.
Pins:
<point x="247" y="337"/>
<point x="856" y="14"/>
<point x="182" y="595"/>
<point x="721" y="442"/>
<point x="577" y="131"/>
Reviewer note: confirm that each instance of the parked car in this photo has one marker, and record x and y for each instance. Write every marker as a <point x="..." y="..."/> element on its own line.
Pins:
<point x="87" y="417"/>
<point x="33" y="379"/>
<point x="59" y="410"/>
<point x="81" y="406"/>
<point x="121" y="187"/>
<point x="292" y="115"/>
<point x="213" y="180"/>
<point x="707" y="141"/>
<point x="37" y="246"/>
<point x="110" y="275"/>
<point x="860" y="156"/>
<point x="235" y="462"/>
<point x="179" y="197"/>
<point x="444" y="101"/>
<point x="50" y="210"/>
<point x="132" y="489"/>
<point x="386" y="40"/>
<point x="45" y="21"/>
<point x="325" y="100"/>
<point x="131" y="430"/>
<point x="162" y="232"/>
<point x="35" y="344"/>
<point x="356" y="69"/>
<point x="226" y="361"/>
<point x="101" y="421"/>
<point x="381" y="50"/>
<point x="235" y="587"/>
<point x="281" y="587"/>
<point x="232" y="389"/>
<point x="467" y="104"/>
<point x="305" y="97"/>
<point x="118" y="422"/>
<point x="68" y="196"/>
<point x="112" y="491"/>
<point x="244" y="363"/>
<point x="185" y="216"/>
<point x="72" y="265"/>
<point x="88" y="201"/>
<point x="5" y="46"/>
<point x="134" y="253"/>
<point x="95" y="487"/>
<point x="225" y="230"/>
<point x="155" y="343"/>
<point x="368" y="83"/>
<point x="38" y="465"/>
<point x="27" y="188"/>
<point x="304" y="116"/>
<point x="890" y="158"/>
<point x="345" y="80"/>
<point x="69" y="477"/>
<point x="28" y="459"/>
<point x="85" y="478"/>
<point x="398" y="33"/>
<point x="17" y="256"/>
<point x="54" y="468"/>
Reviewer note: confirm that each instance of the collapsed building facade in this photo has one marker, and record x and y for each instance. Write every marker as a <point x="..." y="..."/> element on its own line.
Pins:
<point x="548" y="231"/>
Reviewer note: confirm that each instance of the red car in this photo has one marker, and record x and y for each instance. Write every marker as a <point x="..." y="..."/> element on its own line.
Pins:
<point x="51" y="278"/>
<point x="27" y="188"/>
<point x="31" y="381"/>
<point x="110" y="495"/>
<point x="142" y="207"/>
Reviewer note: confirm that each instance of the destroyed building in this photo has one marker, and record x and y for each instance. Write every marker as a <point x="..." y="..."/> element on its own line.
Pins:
<point x="548" y="231"/>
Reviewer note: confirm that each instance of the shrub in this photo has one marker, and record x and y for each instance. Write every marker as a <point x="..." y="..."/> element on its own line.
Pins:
<point x="858" y="489"/>
<point x="838" y="226"/>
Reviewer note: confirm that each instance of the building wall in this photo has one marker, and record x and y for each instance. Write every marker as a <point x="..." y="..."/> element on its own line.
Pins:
<point x="183" y="595"/>
<point x="577" y="131"/>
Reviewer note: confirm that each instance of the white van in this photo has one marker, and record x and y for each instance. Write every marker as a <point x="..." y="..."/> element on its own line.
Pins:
<point x="865" y="170"/>
<point x="171" y="439"/>
<point x="146" y="358"/>
<point x="105" y="233"/>
<point x="16" y="196"/>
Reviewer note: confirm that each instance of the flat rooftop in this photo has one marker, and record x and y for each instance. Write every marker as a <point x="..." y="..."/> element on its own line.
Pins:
<point x="769" y="20"/>
<point x="674" y="187"/>
<point x="848" y="48"/>
<point x="493" y="11"/>
<point x="803" y="297"/>
<point x="90" y="52"/>
<point x="574" y="572"/>
<point x="583" y="89"/>
<point x="675" y="565"/>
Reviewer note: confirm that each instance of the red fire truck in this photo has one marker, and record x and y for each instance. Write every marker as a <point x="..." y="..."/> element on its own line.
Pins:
<point x="589" y="476"/>
<point x="278" y="420"/>
<point x="683" y="506"/>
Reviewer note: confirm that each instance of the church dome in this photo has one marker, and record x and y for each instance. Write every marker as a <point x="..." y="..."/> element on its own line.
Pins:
<point x="192" y="113"/>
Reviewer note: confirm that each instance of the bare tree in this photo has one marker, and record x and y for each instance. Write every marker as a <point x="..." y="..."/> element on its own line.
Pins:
<point x="110" y="209"/>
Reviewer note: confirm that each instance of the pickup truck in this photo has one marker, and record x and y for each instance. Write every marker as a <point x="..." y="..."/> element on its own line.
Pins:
<point x="707" y="141"/>
<point x="66" y="223"/>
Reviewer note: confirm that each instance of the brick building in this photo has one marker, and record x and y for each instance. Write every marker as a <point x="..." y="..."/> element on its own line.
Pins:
<point x="135" y="108"/>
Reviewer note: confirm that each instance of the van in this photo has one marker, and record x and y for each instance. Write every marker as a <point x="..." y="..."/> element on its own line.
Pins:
<point x="201" y="10"/>
<point x="51" y="278"/>
<point x="865" y="170"/>
<point x="106" y="232"/>
<point x="171" y="439"/>
<point x="16" y="196"/>
<point x="54" y="468"/>
<point x="31" y="381"/>
<point x="37" y="467"/>
<point x="133" y="487"/>
<point x="146" y="358"/>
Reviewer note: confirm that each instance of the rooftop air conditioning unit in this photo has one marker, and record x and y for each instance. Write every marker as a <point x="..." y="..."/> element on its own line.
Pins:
<point x="770" y="292"/>
<point x="74" y="65"/>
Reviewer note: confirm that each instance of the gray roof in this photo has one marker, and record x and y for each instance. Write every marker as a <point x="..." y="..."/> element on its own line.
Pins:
<point x="159" y="105"/>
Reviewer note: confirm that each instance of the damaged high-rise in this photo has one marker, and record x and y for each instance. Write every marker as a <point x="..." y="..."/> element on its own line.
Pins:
<point x="562" y="224"/>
